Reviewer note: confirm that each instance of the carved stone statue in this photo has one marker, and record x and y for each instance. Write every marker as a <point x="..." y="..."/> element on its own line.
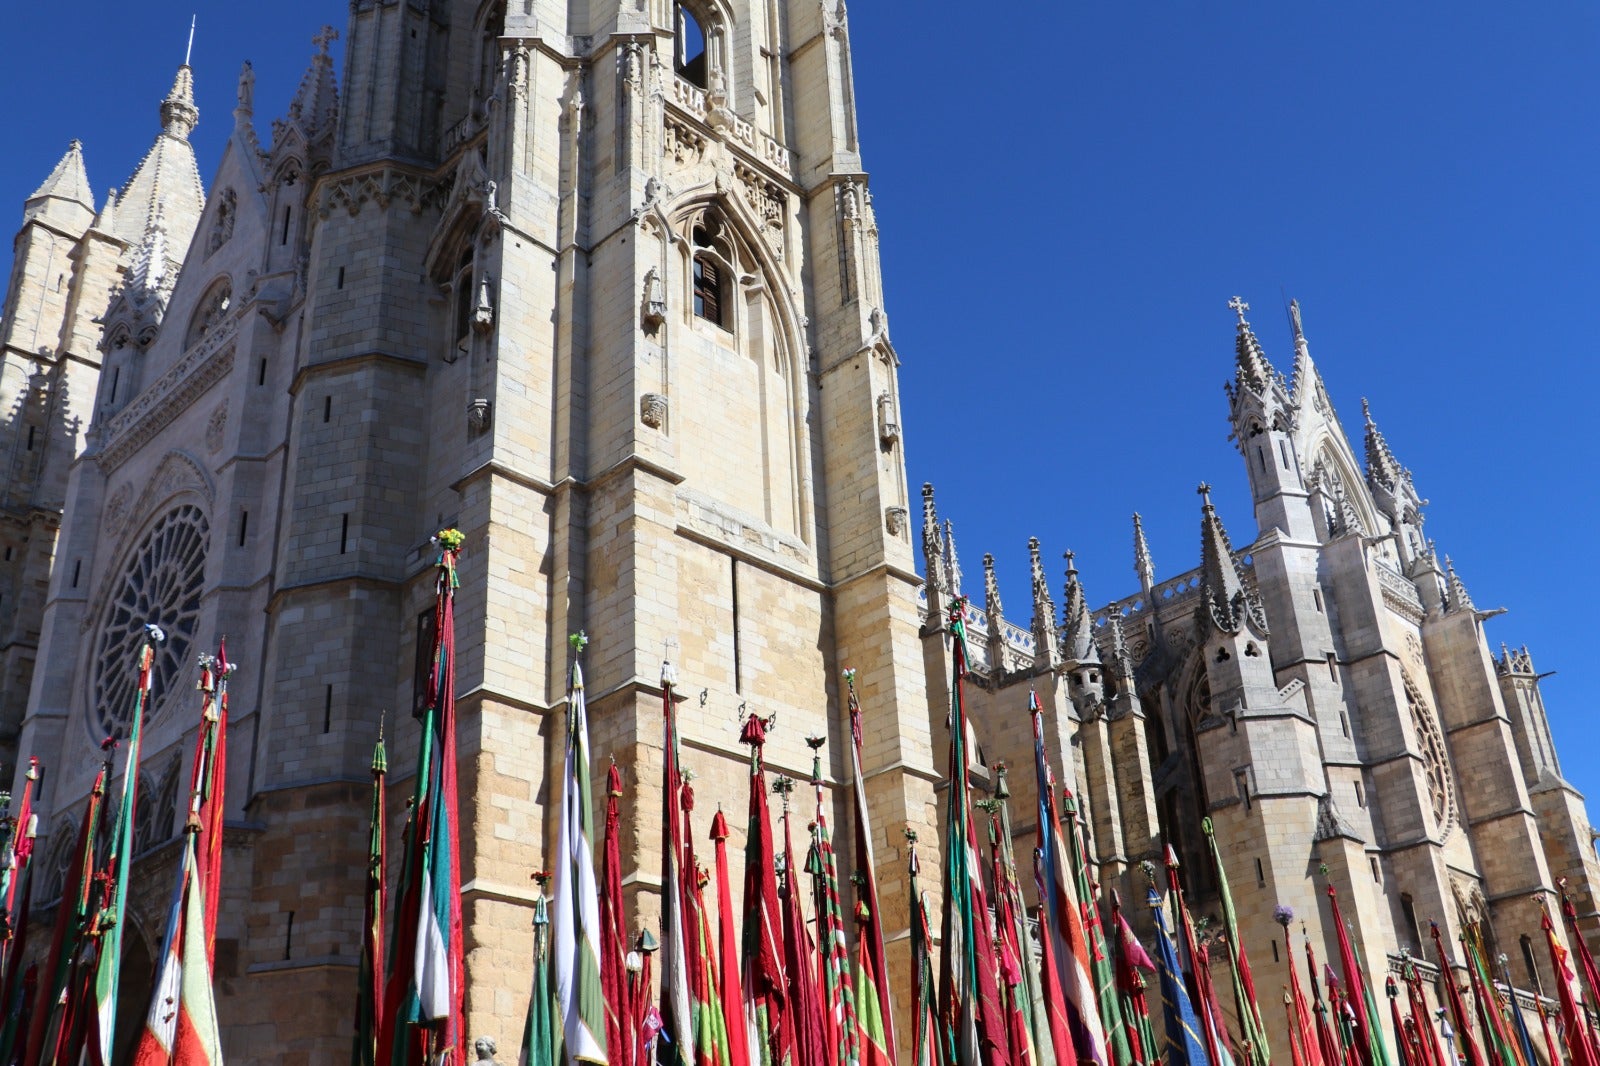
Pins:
<point x="485" y="1048"/>
<point x="655" y="298"/>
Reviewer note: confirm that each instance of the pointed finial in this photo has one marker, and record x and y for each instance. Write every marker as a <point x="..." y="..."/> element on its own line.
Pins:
<point x="1044" y="609"/>
<point x="1077" y="642"/>
<point x="1457" y="598"/>
<point x="1294" y="320"/>
<point x="179" y="116"/>
<point x="1221" y="582"/>
<point x="932" y="545"/>
<point x="952" y="561"/>
<point x="189" y="51"/>
<point x="1142" y="563"/>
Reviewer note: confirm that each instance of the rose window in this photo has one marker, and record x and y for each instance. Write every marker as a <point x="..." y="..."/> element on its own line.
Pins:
<point x="162" y="586"/>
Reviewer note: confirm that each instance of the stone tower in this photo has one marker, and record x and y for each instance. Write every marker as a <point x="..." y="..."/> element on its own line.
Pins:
<point x="598" y="284"/>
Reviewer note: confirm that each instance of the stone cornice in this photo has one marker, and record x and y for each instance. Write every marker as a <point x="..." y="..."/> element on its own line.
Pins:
<point x="171" y="394"/>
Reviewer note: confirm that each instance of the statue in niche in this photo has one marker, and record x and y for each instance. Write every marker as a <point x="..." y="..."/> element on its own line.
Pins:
<point x="655" y="299"/>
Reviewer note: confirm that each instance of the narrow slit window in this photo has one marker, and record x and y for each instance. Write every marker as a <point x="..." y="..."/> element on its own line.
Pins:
<point x="284" y="237"/>
<point x="31" y="431"/>
<point x="1261" y="873"/>
<point x="1316" y="598"/>
<point x="327" y="710"/>
<point x="244" y="526"/>
<point x="344" y="533"/>
<point x="261" y="372"/>
<point x="327" y="408"/>
<point x="1333" y="668"/>
<point x="77" y="568"/>
<point x="116" y="376"/>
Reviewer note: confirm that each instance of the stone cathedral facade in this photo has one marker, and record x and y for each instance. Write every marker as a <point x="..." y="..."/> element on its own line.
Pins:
<point x="598" y="284"/>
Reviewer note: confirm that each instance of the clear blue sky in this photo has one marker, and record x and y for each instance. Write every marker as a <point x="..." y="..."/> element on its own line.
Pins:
<point x="1068" y="195"/>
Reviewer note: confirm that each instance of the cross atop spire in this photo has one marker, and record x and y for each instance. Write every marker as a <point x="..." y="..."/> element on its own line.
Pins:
<point x="1239" y="307"/>
<point x="324" y="37"/>
<point x="1252" y="371"/>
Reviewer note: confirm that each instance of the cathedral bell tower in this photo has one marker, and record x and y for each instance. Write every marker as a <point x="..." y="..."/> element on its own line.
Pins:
<point x="598" y="284"/>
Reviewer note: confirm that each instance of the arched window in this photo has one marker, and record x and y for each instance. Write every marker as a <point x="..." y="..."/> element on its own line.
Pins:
<point x="222" y="221"/>
<point x="689" y="47"/>
<point x="710" y="274"/>
<point x="210" y="312"/>
<point x="494" y="27"/>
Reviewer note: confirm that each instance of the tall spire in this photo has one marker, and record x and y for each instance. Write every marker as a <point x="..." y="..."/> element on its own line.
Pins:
<point x="1044" y="609"/>
<point x="1077" y="640"/>
<point x="1382" y="467"/>
<point x="1222" y="585"/>
<point x="1142" y="565"/>
<point x="995" y="613"/>
<point x="167" y="178"/>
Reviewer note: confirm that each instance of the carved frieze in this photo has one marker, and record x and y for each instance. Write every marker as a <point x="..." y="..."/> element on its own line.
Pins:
<point x="171" y="395"/>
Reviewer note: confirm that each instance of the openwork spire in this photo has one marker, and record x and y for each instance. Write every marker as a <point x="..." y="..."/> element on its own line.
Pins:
<point x="1077" y="640"/>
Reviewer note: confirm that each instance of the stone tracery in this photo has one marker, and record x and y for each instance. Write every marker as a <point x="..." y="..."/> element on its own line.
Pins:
<point x="161" y="585"/>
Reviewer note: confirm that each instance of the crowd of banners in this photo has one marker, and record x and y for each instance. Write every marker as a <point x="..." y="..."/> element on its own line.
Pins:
<point x="1070" y="991"/>
<point x="61" y="1004"/>
<point x="788" y="992"/>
